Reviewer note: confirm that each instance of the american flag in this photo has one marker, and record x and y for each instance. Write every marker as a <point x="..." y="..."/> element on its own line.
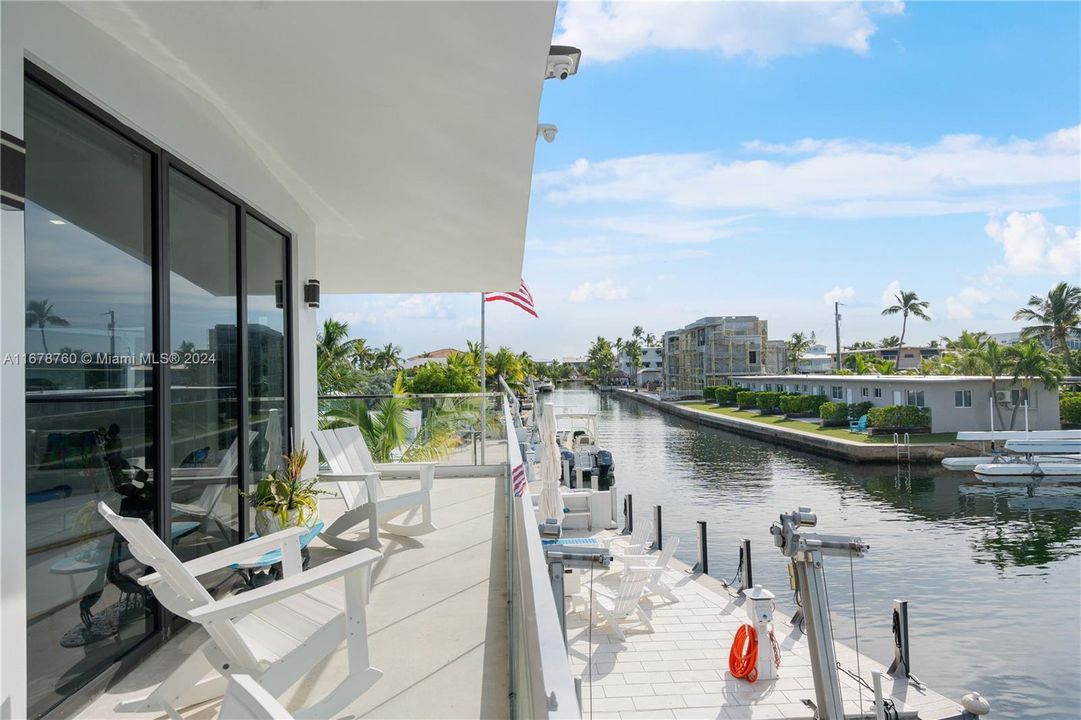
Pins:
<point x="517" y="476"/>
<point x="521" y="297"/>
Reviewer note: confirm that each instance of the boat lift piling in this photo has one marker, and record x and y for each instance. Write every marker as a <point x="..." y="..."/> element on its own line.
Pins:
<point x="657" y="542"/>
<point x="702" y="566"/>
<point x="628" y="514"/>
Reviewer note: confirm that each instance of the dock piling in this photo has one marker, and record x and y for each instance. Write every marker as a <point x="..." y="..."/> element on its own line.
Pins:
<point x="902" y="661"/>
<point x="657" y="545"/>
<point x="702" y="566"/>
<point x="628" y="514"/>
<point x="746" y="577"/>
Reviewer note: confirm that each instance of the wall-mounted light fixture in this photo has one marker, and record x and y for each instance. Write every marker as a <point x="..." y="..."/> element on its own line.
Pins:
<point x="311" y="293"/>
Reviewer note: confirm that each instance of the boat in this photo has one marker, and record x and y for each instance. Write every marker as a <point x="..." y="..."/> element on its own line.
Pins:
<point x="1037" y="458"/>
<point x="544" y="385"/>
<point x="576" y="433"/>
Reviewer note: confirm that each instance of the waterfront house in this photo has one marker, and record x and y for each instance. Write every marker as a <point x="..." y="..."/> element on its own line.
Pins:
<point x="438" y="357"/>
<point x="712" y="350"/>
<point x="649" y="367"/>
<point x="180" y="182"/>
<point x="957" y="402"/>
<point x="908" y="357"/>
<point x="817" y="359"/>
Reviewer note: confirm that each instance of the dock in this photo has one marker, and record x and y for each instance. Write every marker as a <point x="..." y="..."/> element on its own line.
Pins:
<point x="680" y="670"/>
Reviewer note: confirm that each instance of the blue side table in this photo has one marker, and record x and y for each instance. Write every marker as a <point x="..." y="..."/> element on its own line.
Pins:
<point x="252" y="571"/>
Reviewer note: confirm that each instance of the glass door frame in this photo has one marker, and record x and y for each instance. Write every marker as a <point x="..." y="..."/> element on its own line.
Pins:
<point x="162" y="161"/>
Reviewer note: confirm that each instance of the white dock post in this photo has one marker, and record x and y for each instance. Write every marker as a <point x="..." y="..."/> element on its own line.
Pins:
<point x="880" y="708"/>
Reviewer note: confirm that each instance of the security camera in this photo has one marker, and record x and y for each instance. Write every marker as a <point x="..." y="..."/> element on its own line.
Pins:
<point x="548" y="132"/>
<point x="559" y="66"/>
<point x="562" y="61"/>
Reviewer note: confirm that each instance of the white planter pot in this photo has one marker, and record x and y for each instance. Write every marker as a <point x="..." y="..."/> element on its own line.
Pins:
<point x="267" y="523"/>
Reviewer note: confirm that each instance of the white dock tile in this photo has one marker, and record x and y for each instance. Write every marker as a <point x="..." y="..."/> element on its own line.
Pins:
<point x="659" y="702"/>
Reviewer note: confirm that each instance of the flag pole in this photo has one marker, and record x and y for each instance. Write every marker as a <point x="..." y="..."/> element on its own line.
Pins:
<point x="483" y="387"/>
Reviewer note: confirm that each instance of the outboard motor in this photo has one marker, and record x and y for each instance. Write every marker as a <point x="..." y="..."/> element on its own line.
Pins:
<point x="605" y="468"/>
<point x="566" y="458"/>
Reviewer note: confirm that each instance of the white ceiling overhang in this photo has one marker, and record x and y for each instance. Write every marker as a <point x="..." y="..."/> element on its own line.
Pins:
<point x="405" y="130"/>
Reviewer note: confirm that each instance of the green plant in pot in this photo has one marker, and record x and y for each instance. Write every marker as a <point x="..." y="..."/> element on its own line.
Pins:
<point x="283" y="499"/>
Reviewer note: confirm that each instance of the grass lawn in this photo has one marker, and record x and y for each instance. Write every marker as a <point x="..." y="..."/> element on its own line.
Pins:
<point x="805" y="427"/>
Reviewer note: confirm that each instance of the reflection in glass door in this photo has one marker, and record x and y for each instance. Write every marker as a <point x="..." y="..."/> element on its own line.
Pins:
<point x="265" y="266"/>
<point x="89" y="419"/>
<point x="204" y="382"/>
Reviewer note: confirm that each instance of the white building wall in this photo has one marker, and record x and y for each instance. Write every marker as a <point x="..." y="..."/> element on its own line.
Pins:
<point x="178" y="119"/>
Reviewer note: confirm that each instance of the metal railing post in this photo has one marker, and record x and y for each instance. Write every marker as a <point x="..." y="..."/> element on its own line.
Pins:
<point x="657" y="528"/>
<point x="902" y="661"/>
<point x="702" y="566"/>
<point x="628" y="514"/>
<point x="746" y="578"/>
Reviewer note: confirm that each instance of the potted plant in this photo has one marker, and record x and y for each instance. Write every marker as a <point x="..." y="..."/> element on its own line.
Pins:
<point x="283" y="499"/>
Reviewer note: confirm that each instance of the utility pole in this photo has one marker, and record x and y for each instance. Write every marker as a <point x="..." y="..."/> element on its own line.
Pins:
<point x="837" y="330"/>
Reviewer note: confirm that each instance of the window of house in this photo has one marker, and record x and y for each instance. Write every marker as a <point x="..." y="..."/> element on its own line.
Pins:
<point x="836" y="392"/>
<point x="864" y="392"/>
<point x="962" y="398"/>
<point x="752" y="357"/>
<point x="878" y="392"/>
<point x="914" y="397"/>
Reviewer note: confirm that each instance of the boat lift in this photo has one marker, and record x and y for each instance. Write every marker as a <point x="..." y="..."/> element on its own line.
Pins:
<point x="807" y="550"/>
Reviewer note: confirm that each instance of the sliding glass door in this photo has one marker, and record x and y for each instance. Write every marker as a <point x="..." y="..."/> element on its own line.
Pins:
<point x="157" y="380"/>
<point x="89" y="412"/>
<point x="204" y="392"/>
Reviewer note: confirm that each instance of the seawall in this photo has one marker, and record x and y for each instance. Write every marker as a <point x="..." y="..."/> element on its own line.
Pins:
<point x="848" y="450"/>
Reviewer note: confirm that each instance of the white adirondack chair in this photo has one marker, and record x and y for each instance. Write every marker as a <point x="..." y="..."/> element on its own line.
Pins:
<point x="656" y="566"/>
<point x="622" y="607"/>
<point x="226" y="467"/>
<point x="637" y="542"/>
<point x="276" y="633"/>
<point x="248" y="700"/>
<point x="358" y="479"/>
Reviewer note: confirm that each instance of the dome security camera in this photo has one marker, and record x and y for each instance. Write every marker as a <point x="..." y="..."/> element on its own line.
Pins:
<point x="562" y="61"/>
<point x="547" y="131"/>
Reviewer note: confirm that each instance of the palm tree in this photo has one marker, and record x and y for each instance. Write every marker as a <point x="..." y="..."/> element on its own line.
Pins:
<point x="859" y="364"/>
<point x="602" y="359"/>
<point x="633" y="351"/>
<point x="890" y="341"/>
<point x="962" y="354"/>
<point x="505" y="363"/>
<point x="361" y="355"/>
<point x="637" y="333"/>
<point x="39" y="313"/>
<point x="651" y="340"/>
<point x="1030" y="361"/>
<point x="908" y="303"/>
<point x="797" y="346"/>
<point x="388" y="357"/>
<point x="332" y="349"/>
<point x="1058" y="316"/>
<point x="991" y="359"/>
<point x="884" y="367"/>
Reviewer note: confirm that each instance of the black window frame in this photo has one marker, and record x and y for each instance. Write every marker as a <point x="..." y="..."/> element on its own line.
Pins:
<point x="161" y="162"/>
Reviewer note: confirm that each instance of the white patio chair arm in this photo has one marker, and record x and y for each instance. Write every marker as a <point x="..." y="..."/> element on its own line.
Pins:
<point x="391" y="466"/>
<point x="243" y="603"/>
<point x="238" y="553"/>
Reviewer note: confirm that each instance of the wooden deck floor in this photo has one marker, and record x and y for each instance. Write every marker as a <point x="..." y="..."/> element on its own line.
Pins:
<point x="681" y="669"/>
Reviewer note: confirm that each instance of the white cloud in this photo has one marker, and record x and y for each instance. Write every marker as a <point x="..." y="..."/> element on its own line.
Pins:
<point x="601" y="290"/>
<point x="962" y="305"/>
<point x="615" y="30"/>
<point x="839" y="294"/>
<point x="1032" y="245"/>
<point x="840" y="178"/>
<point x="668" y="229"/>
<point x="418" y="307"/>
<point x="889" y="295"/>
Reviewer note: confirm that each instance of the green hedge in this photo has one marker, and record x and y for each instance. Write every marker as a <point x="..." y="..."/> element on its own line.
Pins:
<point x="709" y="392"/>
<point x="746" y="399"/>
<point x="1069" y="408"/>
<point x="769" y="401"/>
<point x="791" y="404"/>
<point x="833" y="411"/>
<point x="899" y="416"/>
<point x="726" y="394"/>
<point x="858" y="410"/>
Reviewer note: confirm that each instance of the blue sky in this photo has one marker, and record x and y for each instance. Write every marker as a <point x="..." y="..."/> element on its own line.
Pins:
<point x="735" y="158"/>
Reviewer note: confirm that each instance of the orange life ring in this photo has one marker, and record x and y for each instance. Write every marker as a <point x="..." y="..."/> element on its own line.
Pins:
<point x="743" y="657"/>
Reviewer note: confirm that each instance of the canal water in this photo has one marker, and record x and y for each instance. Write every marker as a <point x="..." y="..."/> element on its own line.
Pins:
<point x="994" y="585"/>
